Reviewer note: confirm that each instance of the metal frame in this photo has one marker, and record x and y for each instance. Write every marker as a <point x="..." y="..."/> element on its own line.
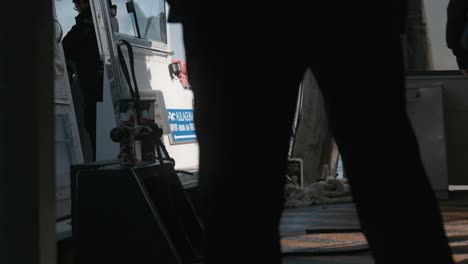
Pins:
<point x="108" y="50"/>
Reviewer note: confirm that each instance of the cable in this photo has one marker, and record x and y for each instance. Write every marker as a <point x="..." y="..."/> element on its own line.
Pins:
<point x="166" y="153"/>
<point x="63" y="218"/>
<point x="134" y="92"/>
<point x="158" y="150"/>
<point x="123" y="65"/>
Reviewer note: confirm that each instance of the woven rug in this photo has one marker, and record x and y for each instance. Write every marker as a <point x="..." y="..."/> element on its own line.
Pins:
<point x="298" y="221"/>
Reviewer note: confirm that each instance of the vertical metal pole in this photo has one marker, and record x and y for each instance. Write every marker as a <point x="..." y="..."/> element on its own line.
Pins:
<point x="135" y="19"/>
<point x="108" y="50"/>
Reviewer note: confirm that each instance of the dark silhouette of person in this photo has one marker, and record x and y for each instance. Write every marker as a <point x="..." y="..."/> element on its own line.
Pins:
<point x="245" y="63"/>
<point x="81" y="48"/>
<point x="457" y="19"/>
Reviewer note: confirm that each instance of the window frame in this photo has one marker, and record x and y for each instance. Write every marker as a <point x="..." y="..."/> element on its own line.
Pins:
<point x="143" y="41"/>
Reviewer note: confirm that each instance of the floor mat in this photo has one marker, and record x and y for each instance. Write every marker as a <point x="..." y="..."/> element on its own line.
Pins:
<point x="296" y="221"/>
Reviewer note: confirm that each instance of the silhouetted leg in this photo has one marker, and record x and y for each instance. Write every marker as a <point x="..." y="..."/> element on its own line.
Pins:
<point x="462" y="58"/>
<point x="90" y="124"/>
<point x="244" y="104"/>
<point x="365" y="100"/>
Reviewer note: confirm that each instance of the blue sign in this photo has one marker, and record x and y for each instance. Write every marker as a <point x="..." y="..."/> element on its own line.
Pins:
<point x="182" y="126"/>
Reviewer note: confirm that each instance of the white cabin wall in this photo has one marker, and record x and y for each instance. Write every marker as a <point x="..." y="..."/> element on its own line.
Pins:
<point x="175" y="97"/>
<point x="152" y="72"/>
<point x="151" y="69"/>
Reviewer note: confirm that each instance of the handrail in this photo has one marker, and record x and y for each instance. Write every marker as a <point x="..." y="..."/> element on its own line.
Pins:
<point x="119" y="42"/>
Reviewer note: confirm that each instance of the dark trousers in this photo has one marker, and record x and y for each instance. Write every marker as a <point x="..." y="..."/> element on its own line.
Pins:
<point x="85" y="111"/>
<point x="90" y="125"/>
<point x="461" y="56"/>
<point x="245" y="78"/>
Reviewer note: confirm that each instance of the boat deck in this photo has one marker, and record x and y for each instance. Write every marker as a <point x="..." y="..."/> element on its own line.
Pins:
<point x="321" y="247"/>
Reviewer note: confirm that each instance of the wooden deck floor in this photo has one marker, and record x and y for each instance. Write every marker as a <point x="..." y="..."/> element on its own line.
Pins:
<point x="343" y="216"/>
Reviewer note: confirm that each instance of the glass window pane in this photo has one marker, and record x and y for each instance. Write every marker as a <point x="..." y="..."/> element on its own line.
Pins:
<point x="151" y="16"/>
<point x="124" y="19"/>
